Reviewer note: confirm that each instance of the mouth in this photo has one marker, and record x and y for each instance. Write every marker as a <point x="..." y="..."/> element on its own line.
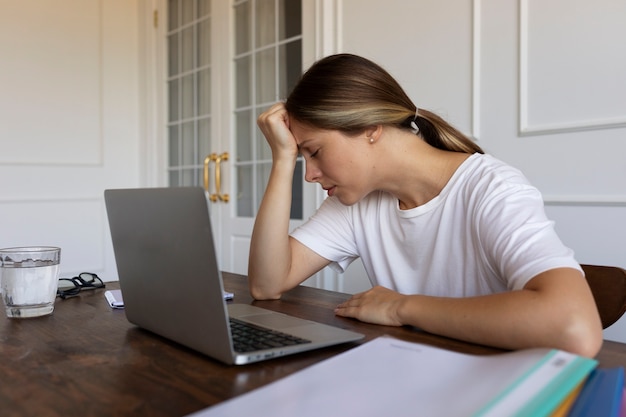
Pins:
<point x="329" y="190"/>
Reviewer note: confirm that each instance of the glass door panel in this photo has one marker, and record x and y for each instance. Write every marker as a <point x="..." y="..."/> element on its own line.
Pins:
<point x="267" y="62"/>
<point x="189" y="89"/>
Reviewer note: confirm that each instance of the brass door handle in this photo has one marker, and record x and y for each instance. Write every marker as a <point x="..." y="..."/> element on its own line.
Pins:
<point x="214" y="197"/>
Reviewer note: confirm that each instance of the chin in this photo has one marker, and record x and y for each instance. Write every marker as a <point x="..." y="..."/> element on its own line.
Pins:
<point x="347" y="201"/>
<point x="352" y="199"/>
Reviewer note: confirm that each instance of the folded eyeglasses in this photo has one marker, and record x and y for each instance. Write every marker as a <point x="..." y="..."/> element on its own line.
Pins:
<point x="69" y="287"/>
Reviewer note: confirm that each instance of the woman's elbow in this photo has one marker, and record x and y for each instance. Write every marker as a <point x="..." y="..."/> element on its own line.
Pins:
<point x="583" y="337"/>
<point x="259" y="292"/>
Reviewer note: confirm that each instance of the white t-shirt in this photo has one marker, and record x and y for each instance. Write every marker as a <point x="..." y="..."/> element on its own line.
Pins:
<point x="486" y="232"/>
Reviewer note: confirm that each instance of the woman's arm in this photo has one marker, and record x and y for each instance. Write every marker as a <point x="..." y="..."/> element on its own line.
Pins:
<point x="555" y="309"/>
<point x="278" y="262"/>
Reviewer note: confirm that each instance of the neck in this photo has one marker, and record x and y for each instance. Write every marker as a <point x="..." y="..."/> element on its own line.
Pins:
<point x="420" y="171"/>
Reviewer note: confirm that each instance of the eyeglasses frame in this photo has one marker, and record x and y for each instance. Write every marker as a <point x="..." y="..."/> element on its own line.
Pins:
<point x="80" y="284"/>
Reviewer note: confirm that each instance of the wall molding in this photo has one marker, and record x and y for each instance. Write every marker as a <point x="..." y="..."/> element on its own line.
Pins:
<point x="95" y="158"/>
<point x="327" y="27"/>
<point x="37" y="200"/>
<point x="585" y="125"/>
<point x="525" y="128"/>
<point x="585" y="200"/>
<point x="476" y="68"/>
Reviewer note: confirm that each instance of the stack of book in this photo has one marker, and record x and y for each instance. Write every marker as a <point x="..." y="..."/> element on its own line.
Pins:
<point x="601" y="394"/>
<point x="390" y="377"/>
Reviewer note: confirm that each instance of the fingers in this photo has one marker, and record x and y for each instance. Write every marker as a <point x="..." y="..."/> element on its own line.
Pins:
<point x="374" y="306"/>
<point x="274" y="123"/>
<point x="273" y="119"/>
<point x="349" y="307"/>
<point x="276" y="111"/>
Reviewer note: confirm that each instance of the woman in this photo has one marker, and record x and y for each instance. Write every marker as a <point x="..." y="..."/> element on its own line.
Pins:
<point x="454" y="241"/>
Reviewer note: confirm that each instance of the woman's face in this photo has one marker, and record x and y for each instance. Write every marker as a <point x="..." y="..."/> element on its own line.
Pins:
<point x="339" y="163"/>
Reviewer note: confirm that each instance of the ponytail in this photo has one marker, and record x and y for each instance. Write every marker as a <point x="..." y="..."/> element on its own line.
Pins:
<point x="442" y="135"/>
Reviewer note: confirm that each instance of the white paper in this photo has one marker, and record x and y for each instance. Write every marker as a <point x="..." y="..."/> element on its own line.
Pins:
<point x="116" y="300"/>
<point x="386" y="377"/>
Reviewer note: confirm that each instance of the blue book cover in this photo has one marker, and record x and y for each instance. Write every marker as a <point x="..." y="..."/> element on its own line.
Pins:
<point x="601" y="395"/>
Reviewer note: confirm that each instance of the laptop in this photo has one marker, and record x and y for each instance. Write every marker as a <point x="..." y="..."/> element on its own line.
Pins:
<point x="172" y="285"/>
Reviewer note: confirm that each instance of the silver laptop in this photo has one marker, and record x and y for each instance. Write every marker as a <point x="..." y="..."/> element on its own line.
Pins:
<point x="172" y="285"/>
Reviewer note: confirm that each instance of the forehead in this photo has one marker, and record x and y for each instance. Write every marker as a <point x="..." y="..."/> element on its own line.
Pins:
<point x="305" y="134"/>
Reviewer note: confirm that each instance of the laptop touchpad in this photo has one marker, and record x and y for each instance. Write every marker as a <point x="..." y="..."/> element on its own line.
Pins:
<point x="276" y="321"/>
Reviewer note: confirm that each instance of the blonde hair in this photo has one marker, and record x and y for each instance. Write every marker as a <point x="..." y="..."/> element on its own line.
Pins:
<point x="349" y="93"/>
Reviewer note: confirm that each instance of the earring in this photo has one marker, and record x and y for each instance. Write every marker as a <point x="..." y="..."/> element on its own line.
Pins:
<point x="371" y="140"/>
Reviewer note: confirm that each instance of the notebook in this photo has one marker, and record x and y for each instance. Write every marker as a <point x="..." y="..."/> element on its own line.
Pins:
<point x="172" y="285"/>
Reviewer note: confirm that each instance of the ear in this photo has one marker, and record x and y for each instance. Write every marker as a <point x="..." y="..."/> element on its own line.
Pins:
<point x="373" y="133"/>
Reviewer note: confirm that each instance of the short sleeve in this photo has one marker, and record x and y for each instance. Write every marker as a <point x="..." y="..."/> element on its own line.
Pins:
<point x="518" y="237"/>
<point x="330" y="234"/>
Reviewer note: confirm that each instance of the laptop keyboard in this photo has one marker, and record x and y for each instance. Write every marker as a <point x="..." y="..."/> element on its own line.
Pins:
<point x="248" y="337"/>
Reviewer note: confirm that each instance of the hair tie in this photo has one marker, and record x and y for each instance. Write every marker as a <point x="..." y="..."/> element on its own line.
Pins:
<point x="414" y="127"/>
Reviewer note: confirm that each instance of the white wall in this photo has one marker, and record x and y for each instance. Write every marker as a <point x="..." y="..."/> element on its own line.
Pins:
<point x="537" y="87"/>
<point x="597" y="234"/>
<point x="69" y="123"/>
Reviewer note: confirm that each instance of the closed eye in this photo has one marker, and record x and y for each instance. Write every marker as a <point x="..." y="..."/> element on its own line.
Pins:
<point x="314" y="153"/>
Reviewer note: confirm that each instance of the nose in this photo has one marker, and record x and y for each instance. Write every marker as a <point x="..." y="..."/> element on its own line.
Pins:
<point x="312" y="172"/>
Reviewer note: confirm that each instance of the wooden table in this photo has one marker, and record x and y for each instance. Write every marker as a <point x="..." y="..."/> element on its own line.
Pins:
<point x="87" y="360"/>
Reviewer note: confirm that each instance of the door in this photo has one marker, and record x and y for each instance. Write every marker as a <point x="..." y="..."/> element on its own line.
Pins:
<point x="227" y="63"/>
<point x="266" y="62"/>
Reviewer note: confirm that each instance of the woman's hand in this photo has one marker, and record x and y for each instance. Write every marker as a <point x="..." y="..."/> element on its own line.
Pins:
<point x="378" y="305"/>
<point x="274" y="123"/>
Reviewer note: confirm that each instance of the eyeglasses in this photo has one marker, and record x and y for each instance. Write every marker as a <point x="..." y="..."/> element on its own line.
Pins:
<point x="72" y="286"/>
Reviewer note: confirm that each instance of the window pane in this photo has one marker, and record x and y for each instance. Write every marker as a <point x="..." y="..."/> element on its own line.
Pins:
<point x="173" y="146"/>
<point x="187" y="11"/>
<point x="242" y="133"/>
<point x="204" y="92"/>
<point x="204" y="138"/>
<point x="265" y="22"/>
<point x="172" y="58"/>
<point x="266" y="76"/>
<point x="172" y="14"/>
<point x="297" y="193"/>
<point x="188" y="178"/>
<point x="198" y="177"/>
<point x="204" y="7"/>
<point x="242" y="28"/>
<point x="204" y="43"/>
<point x="187" y="49"/>
<point x="173" y="179"/>
<point x="289" y="19"/>
<point x="290" y="59"/>
<point x="264" y="152"/>
<point x="188" y="144"/>
<point x="244" y="191"/>
<point x="243" y="74"/>
<point x="173" y="100"/>
<point x="187" y="97"/>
